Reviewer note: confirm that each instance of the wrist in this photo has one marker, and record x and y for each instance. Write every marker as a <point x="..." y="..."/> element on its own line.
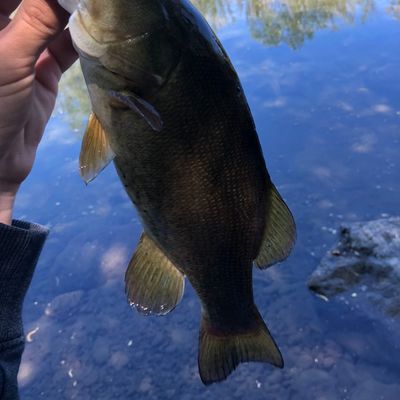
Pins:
<point x="7" y="200"/>
<point x="6" y="208"/>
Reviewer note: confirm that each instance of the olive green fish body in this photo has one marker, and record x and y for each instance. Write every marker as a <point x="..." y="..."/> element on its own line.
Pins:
<point x="190" y="160"/>
<point x="200" y="184"/>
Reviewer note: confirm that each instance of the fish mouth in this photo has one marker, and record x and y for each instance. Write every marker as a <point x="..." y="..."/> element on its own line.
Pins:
<point x="84" y="41"/>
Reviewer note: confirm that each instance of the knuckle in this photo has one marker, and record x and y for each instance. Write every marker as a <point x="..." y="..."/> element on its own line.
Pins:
<point x="36" y="14"/>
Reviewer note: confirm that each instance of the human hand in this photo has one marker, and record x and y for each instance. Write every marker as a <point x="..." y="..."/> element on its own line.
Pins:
<point x="34" y="52"/>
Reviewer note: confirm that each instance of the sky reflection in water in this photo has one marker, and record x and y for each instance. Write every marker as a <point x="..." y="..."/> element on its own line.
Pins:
<point x="322" y="81"/>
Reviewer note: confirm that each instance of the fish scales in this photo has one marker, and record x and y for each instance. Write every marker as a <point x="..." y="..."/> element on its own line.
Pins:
<point x="206" y="208"/>
<point x="169" y="108"/>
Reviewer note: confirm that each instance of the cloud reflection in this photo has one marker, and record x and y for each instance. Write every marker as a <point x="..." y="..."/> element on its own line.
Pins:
<point x="114" y="261"/>
<point x="26" y="373"/>
<point x="365" y="144"/>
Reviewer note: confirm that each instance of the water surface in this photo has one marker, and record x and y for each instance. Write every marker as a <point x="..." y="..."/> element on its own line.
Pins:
<point x="322" y="81"/>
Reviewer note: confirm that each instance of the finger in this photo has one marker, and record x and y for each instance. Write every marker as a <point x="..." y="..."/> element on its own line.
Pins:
<point x="63" y="50"/>
<point x="36" y="24"/>
<point x="58" y="57"/>
<point x="4" y="21"/>
<point x="7" y="7"/>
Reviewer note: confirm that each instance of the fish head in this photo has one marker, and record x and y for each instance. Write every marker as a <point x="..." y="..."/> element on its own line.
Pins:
<point x="124" y="37"/>
<point x="96" y="24"/>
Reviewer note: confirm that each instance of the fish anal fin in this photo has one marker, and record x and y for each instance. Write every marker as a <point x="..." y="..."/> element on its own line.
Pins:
<point x="140" y="106"/>
<point x="96" y="152"/>
<point x="152" y="282"/>
<point x="279" y="232"/>
<point x="220" y="354"/>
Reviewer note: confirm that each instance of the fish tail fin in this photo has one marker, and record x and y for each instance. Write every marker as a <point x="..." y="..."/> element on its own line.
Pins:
<point x="220" y="353"/>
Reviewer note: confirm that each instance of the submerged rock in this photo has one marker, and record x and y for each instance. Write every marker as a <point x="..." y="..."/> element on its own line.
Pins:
<point x="368" y="257"/>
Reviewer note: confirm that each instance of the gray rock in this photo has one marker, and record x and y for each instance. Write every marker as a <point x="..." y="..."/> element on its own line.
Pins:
<point x="64" y="305"/>
<point x="373" y="390"/>
<point x="100" y="350"/>
<point x="367" y="257"/>
<point x="321" y="382"/>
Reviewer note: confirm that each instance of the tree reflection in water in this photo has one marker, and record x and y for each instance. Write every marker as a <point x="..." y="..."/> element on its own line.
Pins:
<point x="287" y="21"/>
<point x="73" y="100"/>
<point x="394" y="8"/>
<point x="218" y="12"/>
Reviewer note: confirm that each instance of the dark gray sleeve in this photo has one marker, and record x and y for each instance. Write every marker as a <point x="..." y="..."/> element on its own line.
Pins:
<point x="20" y="247"/>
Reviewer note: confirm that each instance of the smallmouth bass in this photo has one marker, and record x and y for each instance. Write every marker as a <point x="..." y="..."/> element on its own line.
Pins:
<point x="169" y="110"/>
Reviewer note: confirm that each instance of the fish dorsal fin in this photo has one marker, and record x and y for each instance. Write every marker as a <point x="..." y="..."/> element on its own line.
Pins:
<point x="152" y="282"/>
<point x="96" y="152"/>
<point x="279" y="232"/>
<point x="140" y="106"/>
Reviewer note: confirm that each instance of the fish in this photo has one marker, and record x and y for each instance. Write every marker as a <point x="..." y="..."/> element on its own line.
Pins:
<point x="169" y="110"/>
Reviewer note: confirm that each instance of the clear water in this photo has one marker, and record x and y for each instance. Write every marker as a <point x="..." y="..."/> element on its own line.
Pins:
<point x="322" y="79"/>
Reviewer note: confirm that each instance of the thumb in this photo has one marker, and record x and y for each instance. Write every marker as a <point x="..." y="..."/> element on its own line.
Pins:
<point x="33" y="28"/>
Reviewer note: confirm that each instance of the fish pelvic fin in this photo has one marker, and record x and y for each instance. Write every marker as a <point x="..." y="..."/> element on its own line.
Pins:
<point x="279" y="232"/>
<point x="140" y="106"/>
<point x="96" y="152"/>
<point x="152" y="282"/>
<point x="220" y="353"/>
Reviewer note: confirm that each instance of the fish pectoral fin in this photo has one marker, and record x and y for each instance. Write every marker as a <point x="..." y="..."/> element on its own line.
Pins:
<point x="96" y="152"/>
<point x="279" y="232"/>
<point x="220" y="353"/>
<point x="141" y="107"/>
<point x="152" y="282"/>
